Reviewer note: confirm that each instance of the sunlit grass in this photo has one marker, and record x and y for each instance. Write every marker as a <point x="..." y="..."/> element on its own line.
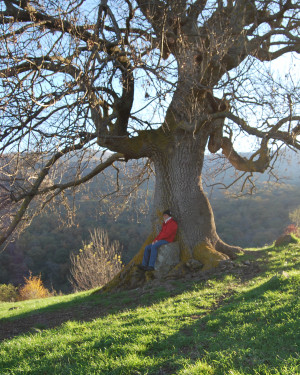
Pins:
<point x="15" y="309"/>
<point x="219" y="326"/>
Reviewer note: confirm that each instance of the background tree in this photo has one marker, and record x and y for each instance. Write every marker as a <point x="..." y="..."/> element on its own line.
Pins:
<point x="73" y="75"/>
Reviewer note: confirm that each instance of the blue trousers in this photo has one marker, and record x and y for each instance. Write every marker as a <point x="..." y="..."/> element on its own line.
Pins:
<point x="150" y="253"/>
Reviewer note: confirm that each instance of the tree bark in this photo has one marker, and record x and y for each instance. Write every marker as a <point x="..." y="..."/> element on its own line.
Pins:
<point x="178" y="187"/>
<point x="178" y="168"/>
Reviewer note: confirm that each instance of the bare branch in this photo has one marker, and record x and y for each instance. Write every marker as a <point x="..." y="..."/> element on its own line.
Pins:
<point x="76" y="182"/>
<point x="34" y="190"/>
<point x="244" y="164"/>
<point x="196" y="8"/>
<point x="140" y="79"/>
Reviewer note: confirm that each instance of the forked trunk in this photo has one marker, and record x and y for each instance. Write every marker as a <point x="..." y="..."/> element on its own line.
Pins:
<point x="178" y="187"/>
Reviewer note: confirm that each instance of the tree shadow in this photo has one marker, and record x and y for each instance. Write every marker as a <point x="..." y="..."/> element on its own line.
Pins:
<point x="237" y="335"/>
<point x="86" y="308"/>
<point x="265" y="339"/>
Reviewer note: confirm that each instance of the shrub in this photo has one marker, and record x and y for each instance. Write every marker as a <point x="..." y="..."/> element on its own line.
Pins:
<point x="295" y="217"/>
<point x="292" y="229"/>
<point x="97" y="263"/>
<point x="8" y="293"/>
<point x="33" y="288"/>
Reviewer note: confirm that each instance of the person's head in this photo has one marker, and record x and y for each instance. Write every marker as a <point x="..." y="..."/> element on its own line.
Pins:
<point x="166" y="214"/>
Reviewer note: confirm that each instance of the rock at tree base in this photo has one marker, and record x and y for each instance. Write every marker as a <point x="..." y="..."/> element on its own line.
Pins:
<point x="285" y="239"/>
<point x="168" y="256"/>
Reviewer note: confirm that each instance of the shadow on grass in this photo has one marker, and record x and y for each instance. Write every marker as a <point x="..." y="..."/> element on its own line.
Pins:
<point x="87" y="308"/>
<point x="251" y="334"/>
<point x="255" y="332"/>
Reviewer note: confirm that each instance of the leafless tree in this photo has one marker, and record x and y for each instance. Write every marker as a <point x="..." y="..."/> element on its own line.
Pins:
<point x="150" y="80"/>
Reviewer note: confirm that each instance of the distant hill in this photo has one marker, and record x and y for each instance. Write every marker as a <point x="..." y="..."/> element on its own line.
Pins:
<point x="247" y="221"/>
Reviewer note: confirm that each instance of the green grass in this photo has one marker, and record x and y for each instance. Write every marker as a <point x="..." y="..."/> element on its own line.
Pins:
<point x="12" y="309"/>
<point x="220" y="326"/>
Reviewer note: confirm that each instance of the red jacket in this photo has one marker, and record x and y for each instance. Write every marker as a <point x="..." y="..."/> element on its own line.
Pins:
<point x="168" y="231"/>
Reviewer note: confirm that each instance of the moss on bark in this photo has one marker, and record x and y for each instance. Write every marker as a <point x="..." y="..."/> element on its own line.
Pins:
<point x="208" y="256"/>
<point x="132" y="277"/>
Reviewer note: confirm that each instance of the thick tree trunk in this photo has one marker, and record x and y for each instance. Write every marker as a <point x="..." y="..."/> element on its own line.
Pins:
<point x="178" y="187"/>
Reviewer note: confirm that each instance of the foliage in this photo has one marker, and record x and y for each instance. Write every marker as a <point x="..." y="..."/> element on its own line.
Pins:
<point x="33" y="288"/>
<point x="219" y="326"/>
<point x="97" y="263"/>
<point x="8" y="293"/>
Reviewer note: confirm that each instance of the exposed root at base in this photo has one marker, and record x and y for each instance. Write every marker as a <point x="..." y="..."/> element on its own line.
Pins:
<point x="231" y="251"/>
<point x="203" y="253"/>
<point x="208" y="255"/>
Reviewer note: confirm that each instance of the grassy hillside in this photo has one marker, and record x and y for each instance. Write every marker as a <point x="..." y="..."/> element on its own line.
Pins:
<point x="242" y="319"/>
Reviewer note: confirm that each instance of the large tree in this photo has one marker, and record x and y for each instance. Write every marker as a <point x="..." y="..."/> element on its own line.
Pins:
<point x="154" y="80"/>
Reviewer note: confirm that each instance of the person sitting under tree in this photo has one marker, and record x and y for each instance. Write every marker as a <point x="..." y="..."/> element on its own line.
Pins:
<point x="166" y="235"/>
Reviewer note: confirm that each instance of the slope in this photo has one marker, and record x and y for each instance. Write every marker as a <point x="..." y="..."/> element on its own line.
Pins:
<point x="242" y="319"/>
